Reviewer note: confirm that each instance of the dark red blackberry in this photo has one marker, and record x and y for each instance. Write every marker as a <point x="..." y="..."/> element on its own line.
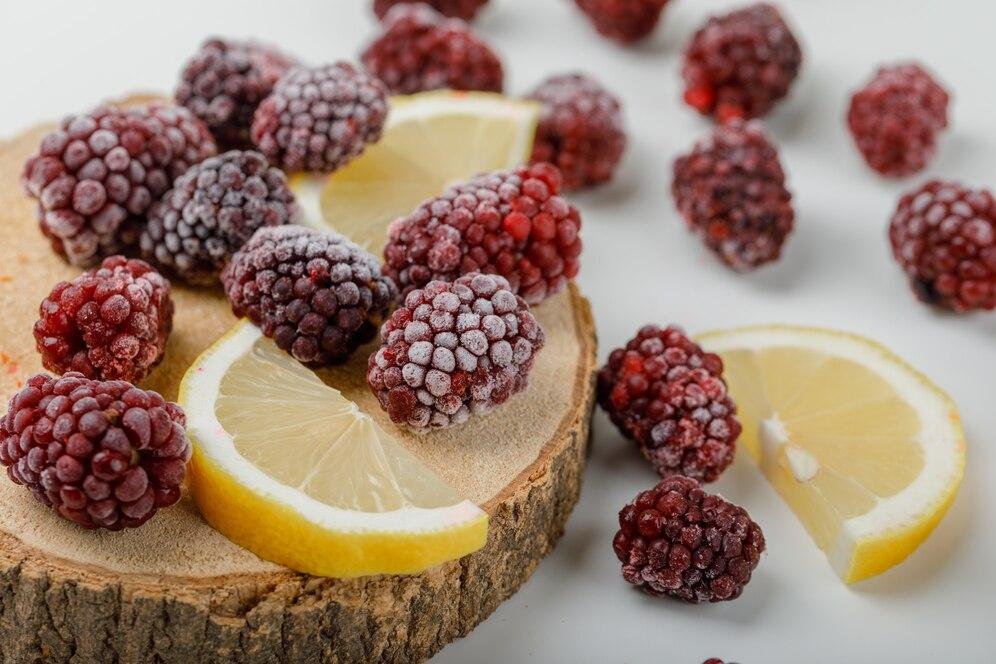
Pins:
<point x="625" y="21"/>
<point x="944" y="236"/>
<point x="580" y="130"/>
<point x="97" y="175"/>
<point x="464" y="10"/>
<point x="212" y="210"/>
<point x="896" y="117"/>
<point x="225" y="81"/>
<point x="453" y="350"/>
<point x="317" y="295"/>
<point x="664" y="392"/>
<point x="509" y="223"/>
<point x="419" y="49"/>
<point x="110" y="323"/>
<point x="678" y="540"/>
<point x="730" y="189"/>
<point x="740" y="64"/>
<point x="103" y="454"/>
<point x="318" y="119"/>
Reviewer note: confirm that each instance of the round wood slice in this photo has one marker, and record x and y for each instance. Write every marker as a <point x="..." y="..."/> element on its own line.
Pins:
<point x="175" y="590"/>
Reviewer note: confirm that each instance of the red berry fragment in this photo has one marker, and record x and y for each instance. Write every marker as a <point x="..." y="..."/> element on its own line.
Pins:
<point x="110" y="323"/>
<point x="419" y="50"/>
<point x="730" y="189"/>
<point x="580" y="130"/>
<point x="678" y="540"/>
<point x="463" y="9"/>
<point x="664" y="392"/>
<point x="454" y="350"/>
<point x="317" y="295"/>
<point x="625" y="21"/>
<point x="740" y="64"/>
<point x="103" y="454"/>
<point x="224" y="82"/>
<point x="96" y="176"/>
<point x="318" y="119"/>
<point x="944" y="237"/>
<point x="896" y="117"/>
<point x="510" y="223"/>
<point x="212" y="210"/>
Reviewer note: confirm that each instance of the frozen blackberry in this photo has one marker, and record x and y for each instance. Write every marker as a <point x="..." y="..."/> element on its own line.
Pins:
<point x="318" y="119"/>
<point x="511" y="223"/>
<point x="419" y="49"/>
<point x="896" y="117"/>
<point x="465" y="10"/>
<point x="625" y="21"/>
<point x="317" y="295"/>
<point x="678" y="540"/>
<point x="225" y="81"/>
<point x="212" y="210"/>
<point x="664" y="392"/>
<point x="97" y="174"/>
<point x="730" y="189"/>
<point x="740" y="64"/>
<point x="944" y="237"/>
<point x="453" y="350"/>
<point x="580" y="129"/>
<point x="103" y="454"/>
<point x="110" y="323"/>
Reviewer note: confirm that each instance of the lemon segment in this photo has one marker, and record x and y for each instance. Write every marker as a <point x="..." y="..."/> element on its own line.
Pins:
<point x="867" y="452"/>
<point x="287" y="467"/>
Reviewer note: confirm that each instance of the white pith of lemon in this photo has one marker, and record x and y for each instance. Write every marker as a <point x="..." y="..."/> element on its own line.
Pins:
<point x="287" y="467"/>
<point x="431" y="140"/>
<point x="866" y="451"/>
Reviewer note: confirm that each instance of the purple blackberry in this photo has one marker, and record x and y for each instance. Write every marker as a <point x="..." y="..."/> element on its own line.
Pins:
<point x="662" y="391"/>
<point x="421" y="50"/>
<point x="730" y="189"/>
<point x="625" y="21"/>
<point x="580" y="130"/>
<point x="225" y="81"/>
<point x="678" y="540"/>
<point x="453" y="350"/>
<point x="319" y="119"/>
<point x="96" y="176"/>
<point x="464" y="10"/>
<point x="212" y="210"/>
<point x="317" y="295"/>
<point x="102" y="454"/>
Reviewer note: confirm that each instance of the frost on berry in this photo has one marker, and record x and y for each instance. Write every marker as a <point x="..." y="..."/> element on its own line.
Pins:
<point x="454" y="350"/>
<point x="668" y="395"/>
<point x="462" y="9"/>
<point x="625" y="21"/>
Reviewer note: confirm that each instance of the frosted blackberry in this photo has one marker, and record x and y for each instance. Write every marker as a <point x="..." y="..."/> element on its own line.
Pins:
<point x="97" y="174"/>
<point x="102" y="454"/>
<point x="318" y="119"/>
<point x="731" y="191"/>
<point x="664" y="392"/>
<point x="225" y="81"/>
<point x="463" y="9"/>
<point x="944" y="237"/>
<point x="510" y="223"/>
<point x="317" y="295"/>
<point x="580" y="129"/>
<point x="110" y="323"/>
<point x="625" y="21"/>
<point x="419" y="50"/>
<point x="454" y="350"/>
<point x="212" y="210"/>
<point x="896" y="117"/>
<point x="741" y="64"/>
<point x="680" y="541"/>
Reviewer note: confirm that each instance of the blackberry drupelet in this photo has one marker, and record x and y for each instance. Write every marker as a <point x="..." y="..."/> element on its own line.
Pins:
<point x="465" y="10"/>
<point x="625" y="21"/>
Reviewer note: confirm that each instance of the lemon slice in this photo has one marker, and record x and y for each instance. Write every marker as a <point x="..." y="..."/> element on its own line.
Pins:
<point x="867" y="452"/>
<point x="432" y="140"/>
<point x="287" y="467"/>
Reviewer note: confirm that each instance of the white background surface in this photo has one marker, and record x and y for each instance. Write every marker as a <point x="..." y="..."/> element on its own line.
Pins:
<point x="640" y="265"/>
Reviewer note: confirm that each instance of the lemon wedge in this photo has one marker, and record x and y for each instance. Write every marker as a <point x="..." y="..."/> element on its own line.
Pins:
<point x="287" y="467"/>
<point x="432" y="140"/>
<point x="867" y="452"/>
